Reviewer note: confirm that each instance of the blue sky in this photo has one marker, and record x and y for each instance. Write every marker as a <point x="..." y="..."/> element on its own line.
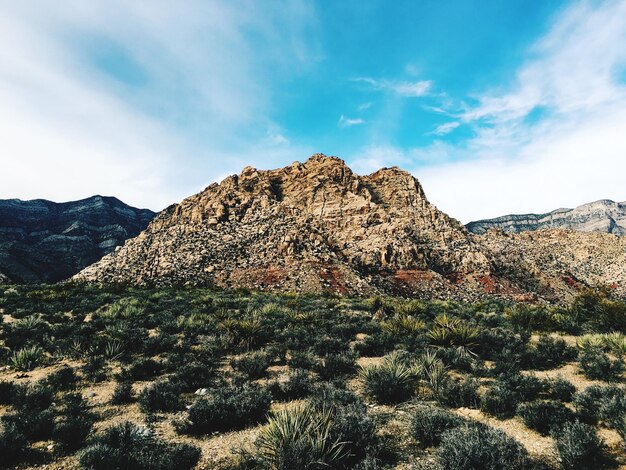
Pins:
<point x="496" y="107"/>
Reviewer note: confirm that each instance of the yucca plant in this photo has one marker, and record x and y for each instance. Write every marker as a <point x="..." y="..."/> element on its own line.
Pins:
<point x="113" y="349"/>
<point x="392" y="381"/>
<point x="615" y="343"/>
<point x="27" y="358"/>
<point x="453" y="333"/>
<point x="300" y="437"/>
<point x="588" y="343"/>
<point x="403" y="325"/>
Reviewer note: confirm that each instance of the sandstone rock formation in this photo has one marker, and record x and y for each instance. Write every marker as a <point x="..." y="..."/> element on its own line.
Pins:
<point x="317" y="226"/>
<point x="600" y="216"/>
<point x="46" y="241"/>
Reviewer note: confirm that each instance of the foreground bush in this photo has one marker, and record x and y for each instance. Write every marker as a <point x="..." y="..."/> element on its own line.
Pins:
<point x="160" y="396"/>
<point x="579" y="446"/>
<point x="128" y="446"/>
<point x="474" y="447"/>
<point x="597" y="365"/>
<point x="299" y="438"/>
<point x="393" y="381"/>
<point x="600" y="402"/>
<point x="429" y="423"/>
<point x="13" y="445"/>
<point x="226" y="408"/>
<point x="74" y="424"/>
<point x="545" y="416"/>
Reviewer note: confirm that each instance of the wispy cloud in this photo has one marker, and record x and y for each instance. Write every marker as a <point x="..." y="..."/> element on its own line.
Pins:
<point x="445" y="128"/>
<point x="402" y="88"/>
<point x="554" y="136"/>
<point x="73" y="125"/>
<point x="349" y="122"/>
<point x="364" y="106"/>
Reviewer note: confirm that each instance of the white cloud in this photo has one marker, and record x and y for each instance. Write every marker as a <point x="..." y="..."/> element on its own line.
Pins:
<point x="349" y="122"/>
<point x="401" y="88"/>
<point x="445" y="128"/>
<point x="364" y="106"/>
<point x="71" y="130"/>
<point x="554" y="137"/>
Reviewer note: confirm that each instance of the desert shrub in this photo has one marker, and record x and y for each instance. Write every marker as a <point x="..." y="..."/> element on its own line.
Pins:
<point x="579" y="446"/>
<point x="599" y="402"/>
<point x="7" y="392"/>
<point x="127" y="445"/>
<point x="253" y="364"/>
<point x="500" y="344"/>
<point x="27" y="358"/>
<point x="474" y="446"/>
<point x="194" y="375"/>
<point x="226" y="408"/>
<point x="144" y="369"/>
<point x="453" y="333"/>
<point x="550" y="353"/>
<point x="299" y="438"/>
<point x="561" y="389"/>
<point x="596" y="365"/>
<point x="458" y="393"/>
<point x="392" y="381"/>
<point x="74" y="423"/>
<point x="296" y="384"/>
<point x="545" y="416"/>
<point x="374" y="345"/>
<point x="429" y="423"/>
<point x="95" y="369"/>
<point x="499" y="401"/>
<point x="326" y="345"/>
<point x="352" y="426"/>
<point x="335" y="366"/>
<point x="328" y="394"/>
<point x="13" y="445"/>
<point x="160" y="396"/>
<point x="532" y="317"/>
<point x="123" y="393"/>
<point x="63" y="379"/>
<point x="33" y="416"/>
<point x="301" y="360"/>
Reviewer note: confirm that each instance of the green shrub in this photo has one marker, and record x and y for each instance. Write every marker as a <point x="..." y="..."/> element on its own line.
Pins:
<point x="301" y="360"/>
<point x="27" y="358"/>
<point x="194" y="375"/>
<point x="160" y="396"/>
<point x="123" y="393"/>
<point x="299" y="437"/>
<point x="474" y="447"/>
<point x="127" y="446"/>
<point x="63" y="379"/>
<point x="226" y="408"/>
<point x="561" y="389"/>
<point x="33" y="416"/>
<point x="352" y="426"/>
<point x="460" y="392"/>
<point x="296" y="384"/>
<point x="499" y="401"/>
<point x="144" y="369"/>
<point x="7" y="392"/>
<point x="337" y="366"/>
<point x="13" y="445"/>
<point x="579" y="446"/>
<point x="545" y="416"/>
<point x="429" y="423"/>
<point x="253" y="364"/>
<point x="393" y="381"/>
<point x="596" y="365"/>
<point x="550" y="353"/>
<point x="599" y="402"/>
<point x="74" y="423"/>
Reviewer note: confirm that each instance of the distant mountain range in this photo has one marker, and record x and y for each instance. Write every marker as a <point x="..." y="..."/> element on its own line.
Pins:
<point x="44" y="241"/>
<point x="600" y="216"/>
<point x="317" y="226"/>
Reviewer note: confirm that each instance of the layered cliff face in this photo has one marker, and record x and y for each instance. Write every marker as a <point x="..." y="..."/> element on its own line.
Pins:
<point x="600" y="216"/>
<point x="306" y="227"/>
<point x="316" y="226"/>
<point x="43" y="241"/>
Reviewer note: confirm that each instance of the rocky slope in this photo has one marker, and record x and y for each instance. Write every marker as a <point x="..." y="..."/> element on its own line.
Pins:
<point x="45" y="241"/>
<point x="316" y="226"/>
<point x="600" y="216"/>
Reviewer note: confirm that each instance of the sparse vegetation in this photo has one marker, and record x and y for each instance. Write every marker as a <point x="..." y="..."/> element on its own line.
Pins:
<point x="321" y="381"/>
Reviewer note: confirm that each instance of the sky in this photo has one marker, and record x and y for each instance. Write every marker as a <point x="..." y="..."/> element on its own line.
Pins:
<point x="496" y="107"/>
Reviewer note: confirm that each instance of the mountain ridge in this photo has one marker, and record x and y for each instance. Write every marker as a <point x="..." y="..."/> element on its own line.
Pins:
<point x="42" y="240"/>
<point x="316" y="226"/>
<point x="603" y="215"/>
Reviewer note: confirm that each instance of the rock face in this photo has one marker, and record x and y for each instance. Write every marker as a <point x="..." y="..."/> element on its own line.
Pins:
<point x="46" y="241"/>
<point x="316" y="226"/>
<point x="600" y="216"/>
